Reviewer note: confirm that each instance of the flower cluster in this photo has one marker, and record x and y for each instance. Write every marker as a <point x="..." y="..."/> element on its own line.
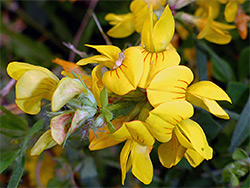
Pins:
<point x="147" y="77"/>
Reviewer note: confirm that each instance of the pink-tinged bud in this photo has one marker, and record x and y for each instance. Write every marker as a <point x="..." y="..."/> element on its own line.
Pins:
<point x="60" y="126"/>
<point x="80" y="116"/>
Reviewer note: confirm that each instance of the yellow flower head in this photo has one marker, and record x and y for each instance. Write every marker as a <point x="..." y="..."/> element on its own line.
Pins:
<point x="34" y="83"/>
<point x="202" y="10"/>
<point x="125" y="68"/>
<point x="169" y="124"/>
<point x="213" y="31"/>
<point x="157" y="51"/>
<point x="231" y="8"/>
<point x="126" y="24"/>
<point x="172" y="84"/>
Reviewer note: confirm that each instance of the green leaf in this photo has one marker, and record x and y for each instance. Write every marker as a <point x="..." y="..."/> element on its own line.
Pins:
<point x="238" y="92"/>
<point x="12" y="121"/>
<point x="104" y="97"/>
<point x="222" y="70"/>
<point x="17" y="173"/>
<point x="246" y="183"/>
<point x="241" y="131"/>
<point x="201" y="59"/>
<point x="244" y="64"/>
<point x="107" y="114"/>
<point x="6" y="159"/>
<point x="239" y="154"/>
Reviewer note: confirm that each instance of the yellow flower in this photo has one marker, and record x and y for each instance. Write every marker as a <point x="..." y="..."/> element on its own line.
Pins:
<point x="172" y="84"/>
<point x="34" y="83"/>
<point x="169" y="124"/>
<point x="126" y="24"/>
<point x="202" y="10"/>
<point x="157" y="51"/>
<point x="231" y="8"/>
<point x="125" y="68"/>
<point x="213" y="31"/>
<point x="135" y="152"/>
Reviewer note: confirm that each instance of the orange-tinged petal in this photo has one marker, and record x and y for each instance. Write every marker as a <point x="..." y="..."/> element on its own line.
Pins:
<point x="171" y="153"/>
<point x="33" y="86"/>
<point x="69" y="66"/>
<point x="241" y="21"/>
<point x="103" y="140"/>
<point x="140" y="133"/>
<point x="142" y="167"/>
<point x="189" y="133"/>
<point x="193" y="157"/>
<point x="163" y="30"/>
<point x="126" y="77"/>
<point x="59" y="126"/>
<point x="124" y="25"/>
<point x="160" y="90"/>
<point x="163" y="119"/>
<point x="44" y="142"/>
<point x="124" y="158"/>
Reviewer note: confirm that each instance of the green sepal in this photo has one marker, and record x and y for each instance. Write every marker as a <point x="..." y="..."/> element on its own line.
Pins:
<point x="104" y="97"/>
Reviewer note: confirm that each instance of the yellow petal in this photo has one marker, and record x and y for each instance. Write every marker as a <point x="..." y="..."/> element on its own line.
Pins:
<point x="218" y="38"/>
<point x="142" y="167"/>
<point x="193" y="157"/>
<point x="208" y="105"/>
<point x="121" y="134"/>
<point x="163" y="119"/>
<point x="163" y="30"/>
<point x="44" y="142"/>
<point x="209" y="90"/>
<point x="110" y="51"/>
<point x="139" y="9"/>
<point x="95" y="59"/>
<point x="126" y="77"/>
<point x="147" y="32"/>
<point x="155" y="62"/>
<point x="67" y="89"/>
<point x="189" y="133"/>
<point x="103" y="140"/>
<point x="140" y="133"/>
<point x="96" y="78"/>
<point x="231" y="10"/>
<point x="169" y="84"/>
<point x="33" y="86"/>
<point x="171" y="153"/>
<point x="16" y="69"/>
<point x="124" y="158"/>
<point x="124" y="25"/>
